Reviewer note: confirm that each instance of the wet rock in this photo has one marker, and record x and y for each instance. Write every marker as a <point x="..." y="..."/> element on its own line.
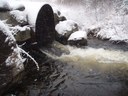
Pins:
<point x="65" y="29"/>
<point x="45" y="26"/>
<point x="78" y="38"/>
<point x="58" y="17"/>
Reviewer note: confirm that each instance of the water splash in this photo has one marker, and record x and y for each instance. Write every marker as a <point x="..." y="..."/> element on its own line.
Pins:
<point x="98" y="55"/>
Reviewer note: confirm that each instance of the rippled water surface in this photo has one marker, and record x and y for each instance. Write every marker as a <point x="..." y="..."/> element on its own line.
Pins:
<point x="100" y="70"/>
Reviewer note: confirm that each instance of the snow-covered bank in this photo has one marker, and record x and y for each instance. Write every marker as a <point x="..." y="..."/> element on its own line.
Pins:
<point x="110" y="16"/>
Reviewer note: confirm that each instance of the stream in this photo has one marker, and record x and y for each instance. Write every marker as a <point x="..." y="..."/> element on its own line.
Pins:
<point x="99" y="69"/>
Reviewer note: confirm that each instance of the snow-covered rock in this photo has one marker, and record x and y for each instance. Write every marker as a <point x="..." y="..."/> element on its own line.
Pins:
<point x="17" y="6"/>
<point x="4" y="6"/>
<point x="19" y="16"/>
<point x="78" y="38"/>
<point x="12" y="57"/>
<point x="11" y="61"/>
<point x="7" y="5"/>
<point x="65" y="29"/>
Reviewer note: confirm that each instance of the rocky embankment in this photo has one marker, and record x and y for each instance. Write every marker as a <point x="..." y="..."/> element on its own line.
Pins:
<point x="14" y="28"/>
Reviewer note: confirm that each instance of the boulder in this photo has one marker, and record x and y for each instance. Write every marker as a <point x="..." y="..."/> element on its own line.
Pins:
<point x="11" y="62"/>
<point x="65" y="29"/>
<point x="18" y="24"/>
<point x="19" y="16"/>
<point x="13" y="13"/>
<point x="78" y="38"/>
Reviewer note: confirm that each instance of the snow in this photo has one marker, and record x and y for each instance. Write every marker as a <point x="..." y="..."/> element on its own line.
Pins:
<point x="5" y="29"/>
<point x="4" y="4"/>
<point x="14" y="4"/>
<point x="10" y="4"/>
<point x="115" y="28"/>
<point x="65" y="26"/>
<point x="32" y="9"/>
<point x="15" y="58"/>
<point x="78" y="35"/>
<point x="20" y="16"/>
<point x="22" y="51"/>
<point x="18" y="28"/>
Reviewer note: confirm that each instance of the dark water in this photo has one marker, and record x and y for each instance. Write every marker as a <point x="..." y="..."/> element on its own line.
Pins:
<point x="74" y="75"/>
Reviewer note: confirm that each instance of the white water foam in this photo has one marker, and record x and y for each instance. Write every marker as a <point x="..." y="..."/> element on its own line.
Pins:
<point x="92" y="58"/>
<point x="98" y="55"/>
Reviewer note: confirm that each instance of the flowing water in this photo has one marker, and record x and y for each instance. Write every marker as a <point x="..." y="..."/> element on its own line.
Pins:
<point x="101" y="69"/>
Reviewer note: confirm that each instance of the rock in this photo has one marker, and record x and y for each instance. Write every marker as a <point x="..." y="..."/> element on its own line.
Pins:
<point x="21" y="33"/>
<point x="17" y="19"/>
<point x="4" y="6"/>
<point x="58" y="17"/>
<point x="93" y="31"/>
<point x="4" y="9"/>
<point x="65" y="29"/>
<point x="11" y="62"/>
<point x="78" y="38"/>
<point x="45" y="26"/>
<point x="14" y="17"/>
<point x="20" y="17"/>
<point x="9" y="20"/>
